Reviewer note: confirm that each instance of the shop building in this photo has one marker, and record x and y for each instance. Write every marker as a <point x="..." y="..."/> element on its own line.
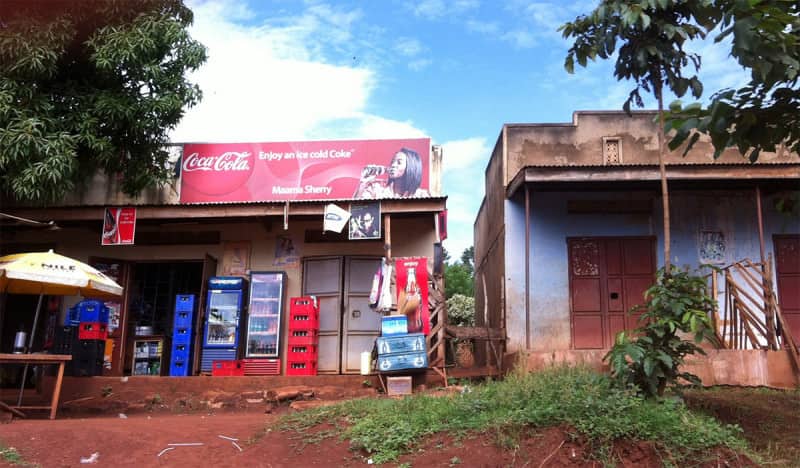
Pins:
<point x="233" y="209"/>
<point x="569" y="236"/>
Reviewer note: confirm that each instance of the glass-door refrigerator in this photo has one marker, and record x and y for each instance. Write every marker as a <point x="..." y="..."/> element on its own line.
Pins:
<point x="223" y="311"/>
<point x="264" y="315"/>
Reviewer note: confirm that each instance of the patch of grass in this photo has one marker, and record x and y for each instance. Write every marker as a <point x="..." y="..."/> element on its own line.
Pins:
<point x="10" y="455"/>
<point x="579" y="398"/>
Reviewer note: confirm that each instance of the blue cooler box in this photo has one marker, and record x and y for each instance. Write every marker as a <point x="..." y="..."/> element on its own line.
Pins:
<point x="394" y="325"/>
<point x="401" y="343"/>
<point x="403" y="361"/>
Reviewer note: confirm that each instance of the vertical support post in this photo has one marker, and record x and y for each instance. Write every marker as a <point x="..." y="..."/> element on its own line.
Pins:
<point x="715" y="316"/>
<point x="387" y="226"/>
<point x="527" y="267"/>
<point x="769" y="310"/>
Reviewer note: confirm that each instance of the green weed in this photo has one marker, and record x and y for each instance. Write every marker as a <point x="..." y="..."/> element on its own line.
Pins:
<point x="12" y="456"/>
<point x="599" y="412"/>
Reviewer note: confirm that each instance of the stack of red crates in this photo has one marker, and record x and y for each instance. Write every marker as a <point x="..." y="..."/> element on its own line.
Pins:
<point x="303" y="336"/>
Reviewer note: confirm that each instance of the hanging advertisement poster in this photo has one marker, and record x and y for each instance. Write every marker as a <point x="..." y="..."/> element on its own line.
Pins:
<point x="286" y="253"/>
<point x="311" y="170"/>
<point x="365" y="221"/>
<point x="412" y="293"/>
<point x="119" y="226"/>
<point x="236" y="258"/>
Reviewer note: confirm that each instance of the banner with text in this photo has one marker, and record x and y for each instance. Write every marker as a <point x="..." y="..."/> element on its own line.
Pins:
<point x="119" y="226"/>
<point x="312" y="170"/>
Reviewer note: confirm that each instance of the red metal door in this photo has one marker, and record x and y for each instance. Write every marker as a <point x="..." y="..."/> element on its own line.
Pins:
<point x="787" y="261"/>
<point x="607" y="278"/>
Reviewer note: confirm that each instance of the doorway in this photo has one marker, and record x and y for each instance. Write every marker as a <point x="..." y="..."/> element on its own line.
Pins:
<point x="787" y="262"/>
<point x="348" y="326"/>
<point x="607" y="278"/>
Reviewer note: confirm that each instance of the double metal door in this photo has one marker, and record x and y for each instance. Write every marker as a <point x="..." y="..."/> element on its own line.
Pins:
<point x="348" y="326"/>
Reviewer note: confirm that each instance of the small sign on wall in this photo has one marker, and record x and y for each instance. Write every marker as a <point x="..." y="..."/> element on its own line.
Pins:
<point x="712" y="247"/>
<point x="119" y="226"/>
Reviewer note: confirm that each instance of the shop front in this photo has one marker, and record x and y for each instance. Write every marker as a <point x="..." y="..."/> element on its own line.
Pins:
<point x="253" y="218"/>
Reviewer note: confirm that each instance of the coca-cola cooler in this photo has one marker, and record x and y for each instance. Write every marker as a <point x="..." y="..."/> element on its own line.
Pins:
<point x="223" y="314"/>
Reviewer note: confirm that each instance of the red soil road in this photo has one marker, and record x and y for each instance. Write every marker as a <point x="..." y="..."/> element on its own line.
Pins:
<point x="137" y="440"/>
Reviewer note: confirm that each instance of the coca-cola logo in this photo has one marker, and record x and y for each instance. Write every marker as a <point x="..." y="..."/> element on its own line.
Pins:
<point x="229" y="161"/>
<point x="224" y="173"/>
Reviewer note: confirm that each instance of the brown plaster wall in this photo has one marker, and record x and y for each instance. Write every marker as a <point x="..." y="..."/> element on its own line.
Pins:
<point x="720" y="367"/>
<point x="580" y="144"/>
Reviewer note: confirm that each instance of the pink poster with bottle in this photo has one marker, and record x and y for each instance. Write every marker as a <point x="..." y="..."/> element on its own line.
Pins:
<point x="412" y="293"/>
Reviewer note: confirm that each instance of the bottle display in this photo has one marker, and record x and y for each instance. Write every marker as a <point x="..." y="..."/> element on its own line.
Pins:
<point x="263" y="325"/>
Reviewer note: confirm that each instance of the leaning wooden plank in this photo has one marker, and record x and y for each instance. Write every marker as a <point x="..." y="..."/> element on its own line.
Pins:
<point x="11" y="410"/>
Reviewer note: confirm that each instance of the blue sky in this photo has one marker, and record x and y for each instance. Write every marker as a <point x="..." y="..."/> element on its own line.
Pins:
<point x="451" y="70"/>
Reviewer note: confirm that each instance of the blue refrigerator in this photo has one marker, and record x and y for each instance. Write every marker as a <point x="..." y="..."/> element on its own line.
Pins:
<point x="222" y="318"/>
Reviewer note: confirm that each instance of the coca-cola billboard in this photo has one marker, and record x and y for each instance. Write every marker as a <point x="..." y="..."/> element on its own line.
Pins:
<point x="313" y="170"/>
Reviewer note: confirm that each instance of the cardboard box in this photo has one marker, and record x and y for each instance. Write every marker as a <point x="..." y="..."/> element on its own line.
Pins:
<point x="398" y="385"/>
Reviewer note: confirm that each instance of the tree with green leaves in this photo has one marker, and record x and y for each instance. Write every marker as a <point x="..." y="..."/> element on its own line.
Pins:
<point x="763" y="115"/>
<point x="91" y="85"/>
<point x="649" y="37"/>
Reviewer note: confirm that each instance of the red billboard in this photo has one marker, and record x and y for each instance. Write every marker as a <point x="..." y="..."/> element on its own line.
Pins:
<point x="311" y="170"/>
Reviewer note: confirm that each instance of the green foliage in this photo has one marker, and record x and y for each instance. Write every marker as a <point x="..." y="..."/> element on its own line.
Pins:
<point x="88" y="86"/>
<point x="648" y="37"/>
<point x="461" y="310"/>
<point x="649" y="358"/>
<point x="459" y="277"/>
<point x="589" y="402"/>
<point x="765" y="112"/>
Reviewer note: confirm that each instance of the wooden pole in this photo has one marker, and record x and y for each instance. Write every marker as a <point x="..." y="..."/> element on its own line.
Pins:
<point x="387" y="226"/>
<point x="527" y="268"/>
<point x="766" y="283"/>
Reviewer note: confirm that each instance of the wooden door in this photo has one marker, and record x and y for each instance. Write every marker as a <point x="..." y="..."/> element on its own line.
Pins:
<point x="607" y="278"/>
<point x="209" y="270"/>
<point x="787" y="262"/>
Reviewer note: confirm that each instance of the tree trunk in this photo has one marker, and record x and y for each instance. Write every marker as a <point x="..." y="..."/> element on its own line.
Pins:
<point x="663" y="170"/>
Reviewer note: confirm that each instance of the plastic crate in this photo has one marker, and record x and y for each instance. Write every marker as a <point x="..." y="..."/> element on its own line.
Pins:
<point x="227" y="368"/>
<point x="261" y="366"/>
<point x="178" y="368"/>
<point x="182" y="335"/>
<point x="92" y="311"/>
<point x="303" y="337"/>
<point x="301" y="367"/>
<point x="65" y="340"/>
<point x="297" y="353"/>
<point x="92" y="331"/>
<point x="183" y="318"/>
<point x="184" y="303"/>
<point x="304" y="321"/>
<point x="303" y="305"/>
<point x="412" y="342"/>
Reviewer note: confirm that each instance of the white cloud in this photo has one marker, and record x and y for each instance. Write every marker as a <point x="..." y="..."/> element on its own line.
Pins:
<point x="521" y="38"/>
<point x="421" y="64"/>
<point x="408" y="47"/>
<point x="463" y="154"/>
<point x="464" y="162"/>
<point x="271" y="80"/>
<point x="436" y="9"/>
<point x="482" y="27"/>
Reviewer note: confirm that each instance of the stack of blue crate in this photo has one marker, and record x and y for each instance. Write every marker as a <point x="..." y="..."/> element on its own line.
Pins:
<point x="182" y="335"/>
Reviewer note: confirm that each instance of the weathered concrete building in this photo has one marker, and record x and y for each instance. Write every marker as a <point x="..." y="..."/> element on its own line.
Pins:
<point x="569" y="234"/>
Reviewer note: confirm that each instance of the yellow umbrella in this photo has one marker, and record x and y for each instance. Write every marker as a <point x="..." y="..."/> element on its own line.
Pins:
<point x="52" y="274"/>
<point x="48" y="273"/>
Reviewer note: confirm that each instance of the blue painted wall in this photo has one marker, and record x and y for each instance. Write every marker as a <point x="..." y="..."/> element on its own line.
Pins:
<point x="731" y="212"/>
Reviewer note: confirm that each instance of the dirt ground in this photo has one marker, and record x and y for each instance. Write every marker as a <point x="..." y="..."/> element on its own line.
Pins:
<point x="770" y="419"/>
<point x="138" y="439"/>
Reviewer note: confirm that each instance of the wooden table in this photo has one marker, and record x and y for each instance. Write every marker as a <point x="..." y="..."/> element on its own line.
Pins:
<point x="34" y="359"/>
